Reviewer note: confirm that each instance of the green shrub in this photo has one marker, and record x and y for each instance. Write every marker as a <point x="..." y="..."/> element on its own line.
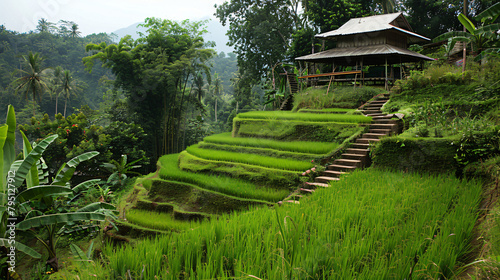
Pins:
<point x="295" y="146"/>
<point x="338" y="97"/>
<point x="293" y="130"/>
<point x="416" y="154"/>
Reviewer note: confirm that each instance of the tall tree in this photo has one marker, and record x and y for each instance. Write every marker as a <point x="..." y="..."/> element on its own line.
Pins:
<point x="154" y="72"/>
<point x="33" y="77"/>
<point x="55" y="83"/>
<point x="432" y="18"/>
<point x="45" y="26"/>
<point x="69" y="86"/>
<point x="217" y="88"/>
<point x="260" y="31"/>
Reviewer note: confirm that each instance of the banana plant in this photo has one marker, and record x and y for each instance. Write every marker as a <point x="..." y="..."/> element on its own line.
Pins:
<point x="120" y="170"/>
<point x="484" y="39"/>
<point x="47" y="215"/>
<point x="28" y="199"/>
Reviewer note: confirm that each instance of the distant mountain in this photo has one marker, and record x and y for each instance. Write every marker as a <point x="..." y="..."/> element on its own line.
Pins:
<point x="216" y="33"/>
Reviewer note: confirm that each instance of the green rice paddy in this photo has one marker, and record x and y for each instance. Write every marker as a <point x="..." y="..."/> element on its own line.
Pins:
<point x="370" y="225"/>
<point x="294" y="146"/>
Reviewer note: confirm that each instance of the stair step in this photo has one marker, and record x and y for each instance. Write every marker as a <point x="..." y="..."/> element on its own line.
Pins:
<point x="363" y="146"/>
<point x="375" y="115"/>
<point x="375" y="111"/>
<point x="338" y="167"/>
<point x="292" y="201"/>
<point x="303" y="190"/>
<point x="357" y="151"/>
<point x="379" y="101"/>
<point x="359" y="157"/>
<point x="332" y="173"/>
<point x="373" y="135"/>
<point x="382" y="125"/>
<point x="384" y="121"/>
<point x="316" y="184"/>
<point x="348" y="162"/>
<point x="380" y="131"/>
<point x="366" y="140"/>
<point x="384" y="116"/>
<point x="325" y="179"/>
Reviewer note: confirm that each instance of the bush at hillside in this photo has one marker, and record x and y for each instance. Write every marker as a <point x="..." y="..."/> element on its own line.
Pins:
<point x="337" y="97"/>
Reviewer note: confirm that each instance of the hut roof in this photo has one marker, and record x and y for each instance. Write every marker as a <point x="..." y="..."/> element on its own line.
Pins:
<point x="372" y="55"/>
<point x="395" y="21"/>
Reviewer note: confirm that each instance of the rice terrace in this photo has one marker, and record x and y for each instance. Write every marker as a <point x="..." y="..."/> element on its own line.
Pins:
<point x="340" y="140"/>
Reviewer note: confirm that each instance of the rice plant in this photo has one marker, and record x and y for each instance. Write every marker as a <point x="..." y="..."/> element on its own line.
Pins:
<point x="370" y="225"/>
<point x="157" y="220"/>
<point x="308" y="117"/>
<point x="277" y="163"/>
<point x="261" y="151"/>
<point x="294" y="146"/>
<point x="169" y="170"/>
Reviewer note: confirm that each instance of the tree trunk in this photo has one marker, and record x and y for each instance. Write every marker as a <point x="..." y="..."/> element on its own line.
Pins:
<point x="57" y="95"/>
<point x="65" y="103"/>
<point x="216" y="109"/>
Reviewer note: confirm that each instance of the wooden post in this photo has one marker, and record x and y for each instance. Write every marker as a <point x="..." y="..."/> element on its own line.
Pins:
<point x="362" y="73"/>
<point x="386" y="85"/>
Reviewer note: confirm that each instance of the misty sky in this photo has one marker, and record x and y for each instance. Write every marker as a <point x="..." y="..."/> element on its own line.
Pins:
<point x="99" y="16"/>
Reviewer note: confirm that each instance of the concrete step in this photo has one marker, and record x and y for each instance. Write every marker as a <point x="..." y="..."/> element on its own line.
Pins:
<point x="372" y="107"/>
<point x="384" y="121"/>
<point x="379" y="101"/>
<point x="382" y="117"/>
<point x="373" y="135"/>
<point x="360" y="146"/>
<point x="325" y="179"/>
<point x="306" y="191"/>
<point x="338" y="167"/>
<point x="380" y="131"/>
<point x="314" y="185"/>
<point x="375" y="115"/>
<point x="383" y="126"/>
<point x="332" y="173"/>
<point x="357" y="151"/>
<point x="366" y="140"/>
<point x="348" y="162"/>
<point x="375" y="111"/>
<point x="359" y="157"/>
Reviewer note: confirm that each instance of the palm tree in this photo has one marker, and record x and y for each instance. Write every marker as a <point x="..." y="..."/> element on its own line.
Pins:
<point x="45" y="26"/>
<point x="388" y="6"/>
<point x="33" y="79"/>
<point x="69" y="87"/>
<point x="216" y="90"/>
<point x="74" y="30"/>
<point x="56" y="83"/>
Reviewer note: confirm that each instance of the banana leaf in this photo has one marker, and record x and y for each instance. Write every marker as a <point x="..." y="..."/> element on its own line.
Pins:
<point x="96" y="206"/>
<point x="42" y="191"/>
<point x="3" y="137"/>
<point x="21" y="247"/>
<point x="77" y="252"/>
<point x="32" y="176"/>
<point x="489" y="15"/>
<point x="61" y="218"/>
<point x="9" y="153"/>
<point x="467" y="24"/>
<point x="31" y="159"/>
<point x="68" y="169"/>
<point x="451" y="34"/>
<point x="85" y="185"/>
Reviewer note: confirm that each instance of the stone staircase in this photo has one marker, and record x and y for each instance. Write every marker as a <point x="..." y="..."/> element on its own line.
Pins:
<point x="357" y="155"/>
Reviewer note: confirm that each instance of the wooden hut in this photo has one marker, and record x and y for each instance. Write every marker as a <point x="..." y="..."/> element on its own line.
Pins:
<point x="380" y="40"/>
